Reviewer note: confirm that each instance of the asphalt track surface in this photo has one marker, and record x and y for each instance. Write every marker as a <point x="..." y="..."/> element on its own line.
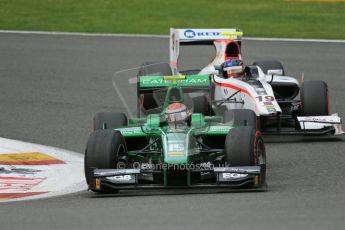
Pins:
<point x="51" y="86"/>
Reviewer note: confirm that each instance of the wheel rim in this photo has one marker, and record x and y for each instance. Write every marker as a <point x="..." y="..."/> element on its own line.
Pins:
<point x="121" y="150"/>
<point x="261" y="161"/>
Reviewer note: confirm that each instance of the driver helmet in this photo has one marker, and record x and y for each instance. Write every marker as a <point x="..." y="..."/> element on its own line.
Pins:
<point x="233" y="68"/>
<point x="177" y="113"/>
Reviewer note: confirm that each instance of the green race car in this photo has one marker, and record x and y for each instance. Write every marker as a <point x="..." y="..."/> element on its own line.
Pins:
<point x="174" y="144"/>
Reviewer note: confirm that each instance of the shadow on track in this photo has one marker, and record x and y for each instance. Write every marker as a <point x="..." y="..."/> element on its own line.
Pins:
<point x="169" y="192"/>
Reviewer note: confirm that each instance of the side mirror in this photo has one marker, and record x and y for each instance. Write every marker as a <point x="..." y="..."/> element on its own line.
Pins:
<point x="218" y="67"/>
<point x="275" y="72"/>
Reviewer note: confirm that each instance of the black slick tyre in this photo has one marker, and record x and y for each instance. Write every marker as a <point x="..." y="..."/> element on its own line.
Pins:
<point x="244" y="146"/>
<point x="104" y="147"/>
<point x="314" y="98"/>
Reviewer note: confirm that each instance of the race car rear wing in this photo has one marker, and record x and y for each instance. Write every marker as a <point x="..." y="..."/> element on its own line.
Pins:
<point x="188" y="82"/>
<point x="198" y="37"/>
<point x="163" y="90"/>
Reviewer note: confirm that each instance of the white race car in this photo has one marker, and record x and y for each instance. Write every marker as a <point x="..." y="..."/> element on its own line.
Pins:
<point x="264" y="96"/>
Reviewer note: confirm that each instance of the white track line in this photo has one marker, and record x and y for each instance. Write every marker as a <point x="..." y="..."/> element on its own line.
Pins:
<point x="83" y="34"/>
<point x="293" y="40"/>
<point x="161" y="36"/>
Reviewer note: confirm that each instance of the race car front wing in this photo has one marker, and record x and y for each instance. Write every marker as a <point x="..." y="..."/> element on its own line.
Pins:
<point x="225" y="177"/>
<point x="321" y="122"/>
<point x="310" y="126"/>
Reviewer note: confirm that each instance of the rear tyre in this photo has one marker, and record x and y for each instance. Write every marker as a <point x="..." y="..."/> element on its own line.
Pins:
<point x="103" y="149"/>
<point x="241" y="117"/>
<point x="155" y="68"/>
<point x="201" y="105"/>
<point x="266" y="65"/>
<point x="314" y="98"/>
<point x="190" y="72"/>
<point x="109" y="120"/>
<point x="244" y="146"/>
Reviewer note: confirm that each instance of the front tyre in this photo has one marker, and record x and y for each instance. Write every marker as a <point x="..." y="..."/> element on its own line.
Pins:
<point x="244" y="146"/>
<point x="314" y="98"/>
<point x="104" y="147"/>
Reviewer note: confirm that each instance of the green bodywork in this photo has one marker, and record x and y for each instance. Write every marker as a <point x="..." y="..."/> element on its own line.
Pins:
<point x="168" y="143"/>
<point x="176" y="145"/>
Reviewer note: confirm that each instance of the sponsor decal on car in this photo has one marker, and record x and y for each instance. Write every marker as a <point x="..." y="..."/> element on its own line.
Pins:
<point x="269" y="106"/>
<point x="159" y="81"/>
<point x="121" y="178"/>
<point x="176" y="149"/>
<point x="197" y="33"/>
<point x="176" y="154"/>
<point x="233" y="175"/>
<point x="135" y="131"/>
<point x="219" y="129"/>
<point x="189" y="34"/>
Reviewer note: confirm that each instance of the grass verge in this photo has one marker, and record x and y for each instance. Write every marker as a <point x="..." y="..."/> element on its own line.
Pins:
<point x="269" y="18"/>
